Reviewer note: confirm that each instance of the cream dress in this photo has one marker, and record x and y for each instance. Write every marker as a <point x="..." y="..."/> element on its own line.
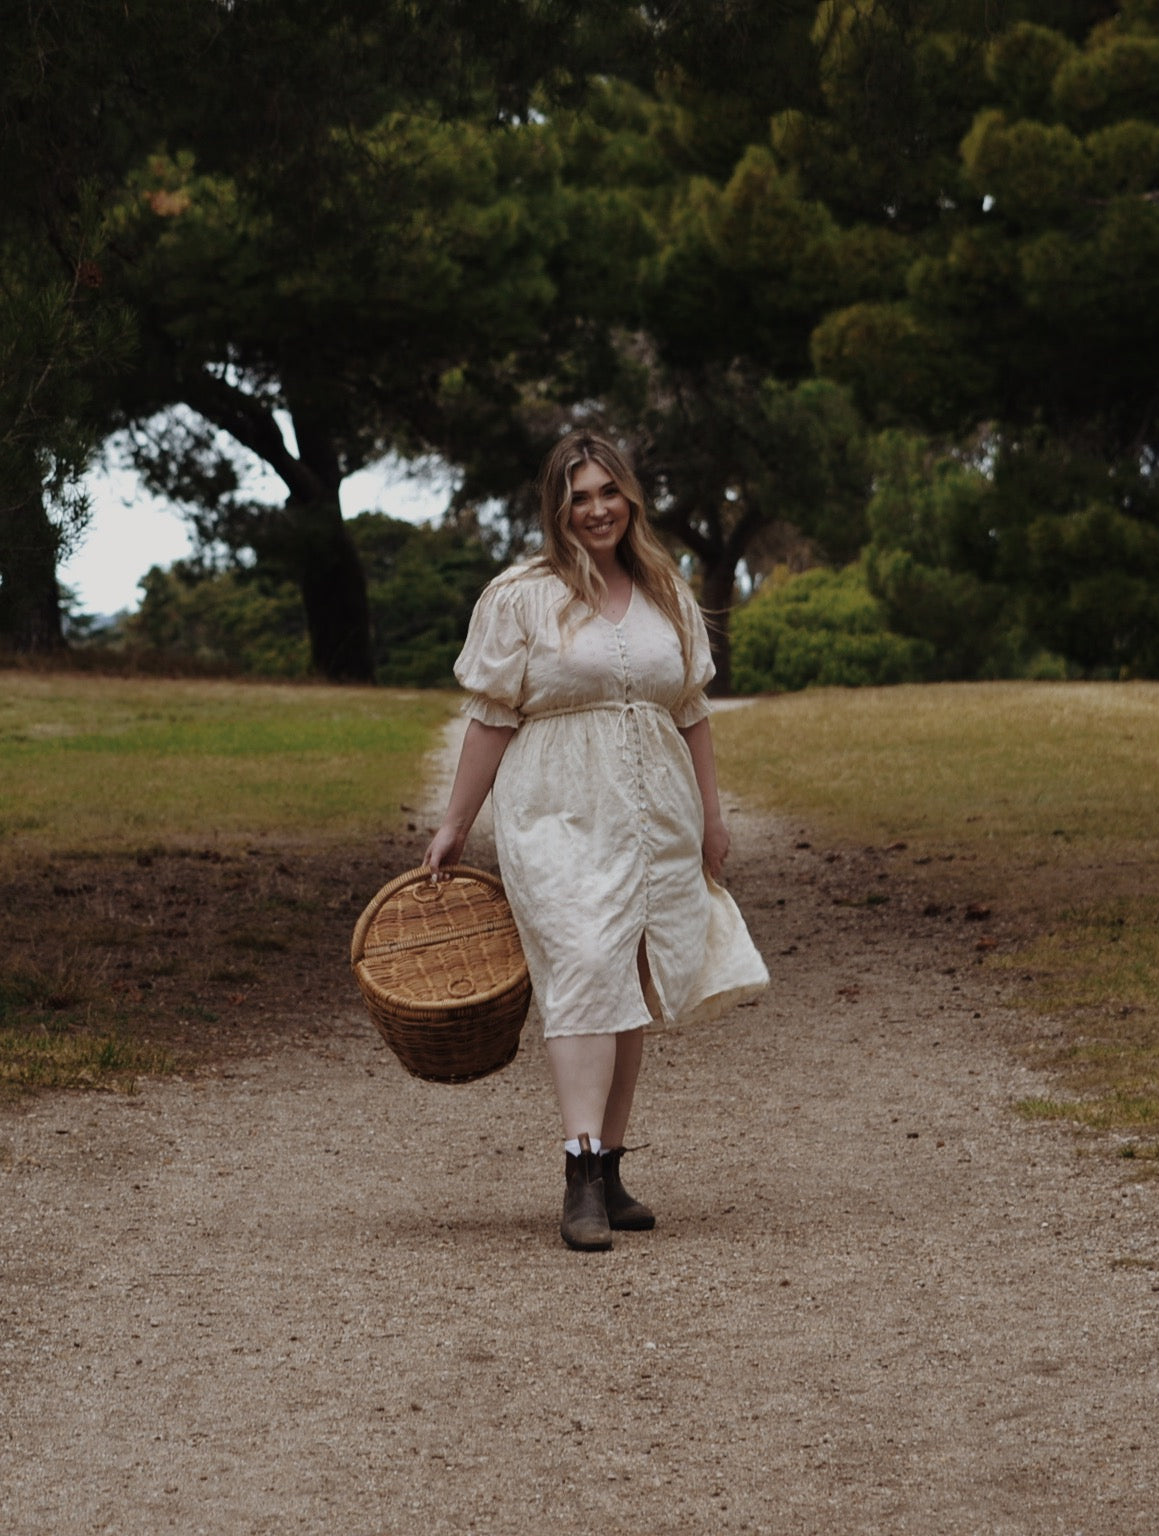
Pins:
<point x="598" y="818"/>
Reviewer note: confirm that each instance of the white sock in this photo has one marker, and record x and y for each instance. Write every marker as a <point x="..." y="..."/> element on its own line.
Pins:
<point x="572" y="1145"/>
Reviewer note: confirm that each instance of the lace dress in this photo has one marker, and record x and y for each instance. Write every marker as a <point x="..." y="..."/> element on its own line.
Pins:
<point x="598" y="818"/>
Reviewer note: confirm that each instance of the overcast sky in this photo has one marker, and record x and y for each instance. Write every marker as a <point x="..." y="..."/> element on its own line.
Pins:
<point x="132" y="531"/>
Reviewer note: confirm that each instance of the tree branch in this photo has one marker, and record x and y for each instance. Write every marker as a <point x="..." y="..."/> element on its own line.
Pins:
<point x="743" y="533"/>
<point x="678" y="521"/>
<point x="252" y="424"/>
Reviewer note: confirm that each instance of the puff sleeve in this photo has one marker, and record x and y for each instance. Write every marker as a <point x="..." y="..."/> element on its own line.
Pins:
<point x="693" y="705"/>
<point x="493" y="660"/>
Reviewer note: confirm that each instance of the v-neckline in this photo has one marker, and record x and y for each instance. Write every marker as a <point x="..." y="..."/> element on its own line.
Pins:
<point x="615" y="623"/>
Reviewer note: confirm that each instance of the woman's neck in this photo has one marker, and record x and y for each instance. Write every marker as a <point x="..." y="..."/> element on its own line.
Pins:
<point x="615" y="575"/>
<point x="618" y="585"/>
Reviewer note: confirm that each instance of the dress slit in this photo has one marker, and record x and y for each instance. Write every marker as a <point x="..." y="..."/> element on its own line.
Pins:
<point x="648" y="988"/>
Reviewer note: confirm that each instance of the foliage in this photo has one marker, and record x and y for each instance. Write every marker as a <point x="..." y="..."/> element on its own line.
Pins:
<point x="309" y="208"/>
<point x="246" y="619"/>
<point x="77" y="90"/>
<point x="1037" y="564"/>
<point x="821" y="628"/>
<point x="743" y="238"/>
<point x="423" y="583"/>
<point x="1043" y="262"/>
<point x="729" y="459"/>
<point x="237" y="620"/>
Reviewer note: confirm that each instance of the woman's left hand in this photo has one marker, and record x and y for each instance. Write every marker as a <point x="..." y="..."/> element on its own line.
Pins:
<point x="715" y="846"/>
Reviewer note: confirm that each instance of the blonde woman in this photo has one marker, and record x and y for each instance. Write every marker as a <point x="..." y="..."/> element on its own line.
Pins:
<point x="588" y="720"/>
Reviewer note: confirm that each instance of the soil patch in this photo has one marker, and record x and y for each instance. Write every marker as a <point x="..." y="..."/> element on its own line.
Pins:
<point x="207" y="953"/>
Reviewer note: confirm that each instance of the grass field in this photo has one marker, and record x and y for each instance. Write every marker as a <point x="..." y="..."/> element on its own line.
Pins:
<point x="1041" y="799"/>
<point x="173" y="853"/>
<point x="185" y="849"/>
<point x="97" y="763"/>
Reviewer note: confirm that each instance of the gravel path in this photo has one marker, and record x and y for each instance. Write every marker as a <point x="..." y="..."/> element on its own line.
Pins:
<point x="306" y="1293"/>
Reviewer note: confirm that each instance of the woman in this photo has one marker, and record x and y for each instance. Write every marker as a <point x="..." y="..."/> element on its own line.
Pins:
<point x="586" y="670"/>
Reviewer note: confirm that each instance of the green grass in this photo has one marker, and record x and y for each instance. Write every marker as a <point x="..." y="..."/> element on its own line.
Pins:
<point x="55" y="1034"/>
<point x="106" y="781"/>
<point x="1042" y="799"/>
<point x="1039" y="798"/>
<point x="1025" y="771"/>
<point x="91" y="763"/>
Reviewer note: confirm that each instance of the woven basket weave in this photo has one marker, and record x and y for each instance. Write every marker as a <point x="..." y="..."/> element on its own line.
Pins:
<point x="442" y="973"/>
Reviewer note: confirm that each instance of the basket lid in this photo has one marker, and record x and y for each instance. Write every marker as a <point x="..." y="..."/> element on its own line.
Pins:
<point x="433" y="945"/>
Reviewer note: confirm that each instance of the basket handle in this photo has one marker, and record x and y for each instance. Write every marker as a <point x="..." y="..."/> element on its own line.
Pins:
<point x="494" y="925"/>
<point x="415" y="878"/>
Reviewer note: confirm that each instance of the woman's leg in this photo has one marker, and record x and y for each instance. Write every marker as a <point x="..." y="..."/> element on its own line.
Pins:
<point x="595" y="1082"/>
<point x="618" y="1106"/>
<point x="583" y="1069"/>
<point x="629" y="1054"/>
<point x="624" y="1210"/>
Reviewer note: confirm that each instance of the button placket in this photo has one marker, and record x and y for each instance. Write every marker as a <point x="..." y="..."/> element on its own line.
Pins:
<point x="634" y="733"/>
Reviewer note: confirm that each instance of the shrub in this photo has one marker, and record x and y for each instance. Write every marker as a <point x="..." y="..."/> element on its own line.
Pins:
<point x="822" y="628"/>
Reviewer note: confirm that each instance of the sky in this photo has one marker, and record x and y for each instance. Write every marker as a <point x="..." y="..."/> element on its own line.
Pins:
<point x="131" y="530"/>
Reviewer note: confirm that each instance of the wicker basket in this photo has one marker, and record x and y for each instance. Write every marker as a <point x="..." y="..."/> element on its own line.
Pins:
<point x="442" y="973"/>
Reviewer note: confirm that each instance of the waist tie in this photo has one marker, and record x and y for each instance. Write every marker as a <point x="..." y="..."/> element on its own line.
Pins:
<point x="623" y="709"/>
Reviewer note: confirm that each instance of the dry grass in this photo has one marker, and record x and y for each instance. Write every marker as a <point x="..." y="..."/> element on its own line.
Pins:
<point x="177" y="855"/>
<point x="1042" y="800"/>
<point x="55" y="1031"/>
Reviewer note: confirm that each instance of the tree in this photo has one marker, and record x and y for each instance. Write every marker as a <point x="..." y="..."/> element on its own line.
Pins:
<point x="696" y="353"/>
<point x="1029" y="330"/>
<point x="56" y="342"/>
<point x="422" y="586"/>
<point x="728" y="457"/>
<point x="341" y="277"/>
<point x="343" y="339"/>
<point x="81" y="93"/>
<point x="822" y="628"/>
<point x="265" y="133"/>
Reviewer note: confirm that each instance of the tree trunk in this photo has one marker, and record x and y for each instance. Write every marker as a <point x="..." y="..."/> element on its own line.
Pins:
<point x="29" y="595"/>
<point x="313" y="541"/>
<point x="333" y="586"/>
<point x="717" y="587"/>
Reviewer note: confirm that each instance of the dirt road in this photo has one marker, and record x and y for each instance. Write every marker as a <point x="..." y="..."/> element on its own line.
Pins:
<point x="305" y="1293"/>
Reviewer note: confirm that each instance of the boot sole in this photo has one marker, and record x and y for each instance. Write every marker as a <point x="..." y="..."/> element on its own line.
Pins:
<point x="633" y="1224"/>
<point x="583" y="1245"/>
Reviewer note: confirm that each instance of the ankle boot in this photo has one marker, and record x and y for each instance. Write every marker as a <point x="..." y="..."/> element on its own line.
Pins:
<point x="585" y="1218"/>
<point x="624" y="1213"/>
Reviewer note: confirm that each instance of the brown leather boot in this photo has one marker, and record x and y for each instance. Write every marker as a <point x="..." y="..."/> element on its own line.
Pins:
<point x="624" y="1213"/>
<point x="585" y="1218"/>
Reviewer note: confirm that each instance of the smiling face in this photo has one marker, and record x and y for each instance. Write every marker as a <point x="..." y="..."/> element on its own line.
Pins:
<point x="599" y="511"/>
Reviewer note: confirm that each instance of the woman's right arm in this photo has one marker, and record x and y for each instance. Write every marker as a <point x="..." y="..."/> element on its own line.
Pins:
<point x="482" y="752"/>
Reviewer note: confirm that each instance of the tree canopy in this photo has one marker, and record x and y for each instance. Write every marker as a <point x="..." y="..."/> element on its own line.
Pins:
<point x="860" y="281"/>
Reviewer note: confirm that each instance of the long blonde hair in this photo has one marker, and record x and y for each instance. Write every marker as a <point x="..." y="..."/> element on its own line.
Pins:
<point x="640" y="552"/>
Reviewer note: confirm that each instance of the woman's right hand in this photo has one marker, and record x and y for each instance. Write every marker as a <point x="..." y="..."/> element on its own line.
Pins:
<point x="446" y="848"/>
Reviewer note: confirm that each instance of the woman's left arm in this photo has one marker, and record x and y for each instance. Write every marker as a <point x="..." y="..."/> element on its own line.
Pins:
<point x="716" y="838"/>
